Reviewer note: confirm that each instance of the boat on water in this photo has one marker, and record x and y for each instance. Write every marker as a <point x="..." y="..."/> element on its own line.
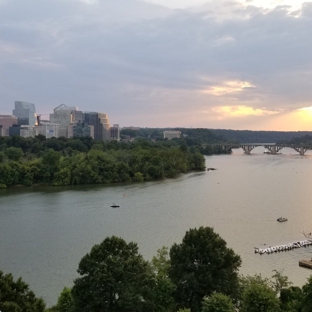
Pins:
<point x="282" y="219"/>
<point x="115" y="206"/>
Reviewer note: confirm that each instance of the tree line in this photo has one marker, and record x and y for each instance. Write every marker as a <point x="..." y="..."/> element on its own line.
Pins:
<point x="200" y="274"/>
<point x="61" y="161"/>
<point x="216" y="136"/>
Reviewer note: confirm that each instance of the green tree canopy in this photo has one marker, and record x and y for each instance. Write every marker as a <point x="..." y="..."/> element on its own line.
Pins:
<point x="259" y="298"/>
<point x="307" y="296"/>
<point x="15" y="296"/>
<point x="114" y="277"/>
<point x="218" y="303"/>
<point x="201" y="265"/>
<point x="14" y="153"/>
<point x="164" y="288"/>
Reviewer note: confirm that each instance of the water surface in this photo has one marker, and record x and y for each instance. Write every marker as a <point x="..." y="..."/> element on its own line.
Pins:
<point x="45" y="231"/>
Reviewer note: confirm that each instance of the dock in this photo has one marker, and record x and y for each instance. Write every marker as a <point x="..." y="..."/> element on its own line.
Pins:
<point x="286" y="247"/>
<point x="306" y="263"/>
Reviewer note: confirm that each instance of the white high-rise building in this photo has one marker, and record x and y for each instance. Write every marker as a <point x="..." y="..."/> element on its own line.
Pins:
<point x="25" y="112"/>
<point x="63" y="116"/>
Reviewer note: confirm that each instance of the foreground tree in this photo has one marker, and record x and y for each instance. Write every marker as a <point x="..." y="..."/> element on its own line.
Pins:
<point x="218" y="303"/>
<point x="291" y="299"/>
<point x="201" y="265"/>
<point x="114" y="277"/>
<point x="16" y="297"/>
<point x="164" y="288"/>
<point x="259" y="298"/>
<point x="307" y="296"/>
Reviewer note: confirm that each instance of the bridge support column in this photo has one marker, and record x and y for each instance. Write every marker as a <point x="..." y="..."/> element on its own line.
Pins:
<point x="273" y="149"/>
<point x="247" y="148"/>
<point x="300" y="149"/>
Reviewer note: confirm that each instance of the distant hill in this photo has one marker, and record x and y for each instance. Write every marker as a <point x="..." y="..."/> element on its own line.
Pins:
<point x="248" y="136"/>
<point x="214" y="136"/>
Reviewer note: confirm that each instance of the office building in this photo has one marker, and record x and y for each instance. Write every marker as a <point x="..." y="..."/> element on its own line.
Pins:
<point x="26" y="113"/>
<point x="48" y="129"/>
<point x="100" y="123"/>
<point x="63" y="115"/>
<point x="115" y="132"/>
<point x="24" y="131"/>
<point x="80" y="129"/>
<point x="7" y="121"/>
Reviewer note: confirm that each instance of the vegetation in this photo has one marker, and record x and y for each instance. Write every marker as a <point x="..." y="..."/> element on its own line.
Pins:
<point x="198" y="275"/>
<point x="201" y="265"/>
<point x="198" y="136"/>
<point x="305" y="139"/>
<point x="28" y="161"/>
<point x="114" y="277"/>
<point x="16" y="297"/>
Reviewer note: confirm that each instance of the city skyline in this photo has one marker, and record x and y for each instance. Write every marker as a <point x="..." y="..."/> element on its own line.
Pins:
<point x="155" y="63"/>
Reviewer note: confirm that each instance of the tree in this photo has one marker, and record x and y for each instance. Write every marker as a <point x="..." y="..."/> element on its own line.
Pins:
<point x="218" y="303"/>
<point x="16" y="297"/>
<point x="114" y="277"/>
<point x="201" y="265"/>
<point x="307" y="296"/>
<point x="259" y="298"/>
<point x="14" y="153"/>
<point x="164" y="288"/>
<point x="65" y="301"/>
<point x="291" y="299"/>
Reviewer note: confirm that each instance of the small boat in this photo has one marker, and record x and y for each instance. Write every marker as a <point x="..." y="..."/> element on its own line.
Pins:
<point x="281" y="219"/>
<point x="114" y="206"/>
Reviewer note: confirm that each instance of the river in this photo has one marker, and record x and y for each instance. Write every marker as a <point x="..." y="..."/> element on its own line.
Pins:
<point x="45" y="231"/>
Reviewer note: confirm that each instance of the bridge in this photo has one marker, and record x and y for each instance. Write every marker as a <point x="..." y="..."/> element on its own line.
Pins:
<point x="272" y="148"/>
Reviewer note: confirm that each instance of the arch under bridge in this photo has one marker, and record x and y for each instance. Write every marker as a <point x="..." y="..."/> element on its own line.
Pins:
<point x="272" y="148"/>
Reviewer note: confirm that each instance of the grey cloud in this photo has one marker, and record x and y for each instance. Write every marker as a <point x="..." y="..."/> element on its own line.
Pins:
<point x="140" y="59"/>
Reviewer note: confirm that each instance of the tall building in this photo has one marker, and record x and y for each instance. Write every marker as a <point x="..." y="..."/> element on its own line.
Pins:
<point x="80" y="129"/>
<point x="7" y="121"/>
<point x="115" y="132"/>
<point x="100" y="123"/>
<point x="25" y="112"/>
<point x="63" y="115"/>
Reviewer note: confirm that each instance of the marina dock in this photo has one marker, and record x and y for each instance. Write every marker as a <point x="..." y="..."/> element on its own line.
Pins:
<point x="290" y="246"/>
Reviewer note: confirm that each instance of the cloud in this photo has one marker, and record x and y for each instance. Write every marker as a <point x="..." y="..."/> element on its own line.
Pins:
<point x="136" y="60"/>
<point x="240" y="111"/>
<point x="228" y="87"/>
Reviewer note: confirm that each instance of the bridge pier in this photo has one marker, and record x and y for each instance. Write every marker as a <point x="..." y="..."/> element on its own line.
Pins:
<point x="300" y="149"/>
<point x="247" y="148"/>
<point x="273" y="149"/>
<point x="227" y="148"/>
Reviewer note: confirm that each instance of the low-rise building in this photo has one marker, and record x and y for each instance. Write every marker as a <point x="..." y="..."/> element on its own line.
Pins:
<point x="172" y="134"/>
<point x="48" y="129"/>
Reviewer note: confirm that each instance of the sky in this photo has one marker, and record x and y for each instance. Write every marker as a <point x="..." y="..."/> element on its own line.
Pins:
<point x="220" y="64"/>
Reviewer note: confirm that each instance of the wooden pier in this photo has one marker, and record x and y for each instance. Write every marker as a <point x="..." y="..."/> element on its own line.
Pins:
<point x="306" y="263"/>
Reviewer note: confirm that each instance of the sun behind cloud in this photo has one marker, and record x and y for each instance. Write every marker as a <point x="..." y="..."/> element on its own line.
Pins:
<point x="305" y="114"/>
<point x="228" y="87"/>
<point x="241" y="111"/>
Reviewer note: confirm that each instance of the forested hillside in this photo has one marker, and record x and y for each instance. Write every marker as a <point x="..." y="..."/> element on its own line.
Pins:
<point x="197" y="136"/>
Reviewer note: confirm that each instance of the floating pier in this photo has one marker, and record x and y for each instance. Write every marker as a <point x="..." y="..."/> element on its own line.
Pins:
<point x="286" y="247"/>
<point x="306" y="263"/>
